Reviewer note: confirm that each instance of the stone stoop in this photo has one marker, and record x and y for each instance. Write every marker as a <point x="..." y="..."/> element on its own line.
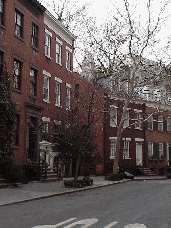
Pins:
<point x="3" y="183"/>
<point x="51" y="176"/>
<point x="147" y="171"/>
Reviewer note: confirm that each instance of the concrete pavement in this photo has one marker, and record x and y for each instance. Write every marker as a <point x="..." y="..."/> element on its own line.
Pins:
<point x="38" y="190"/>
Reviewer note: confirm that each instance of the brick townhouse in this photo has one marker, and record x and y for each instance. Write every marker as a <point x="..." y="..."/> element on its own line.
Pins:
<point x="38" y="51"/>
<point x="132" y="146"/>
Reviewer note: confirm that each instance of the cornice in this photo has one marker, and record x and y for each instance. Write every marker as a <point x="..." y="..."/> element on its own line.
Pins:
<point x="57" y="27"/>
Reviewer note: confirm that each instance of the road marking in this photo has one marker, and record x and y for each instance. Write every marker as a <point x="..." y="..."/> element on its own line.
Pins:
<point x="54" y="226"/>
<point x="136" y="225"/>
<point x="86" y="222"/>
<point x="62" y="223"/>
<point x="111" y="225"/>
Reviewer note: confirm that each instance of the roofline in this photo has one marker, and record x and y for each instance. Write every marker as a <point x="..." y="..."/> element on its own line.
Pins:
<point x="60" y="24"/>
<point x="39" y="5"/>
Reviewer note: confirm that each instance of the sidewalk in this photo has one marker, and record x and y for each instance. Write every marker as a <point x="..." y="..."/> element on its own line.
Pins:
<point x="38" y="190"/>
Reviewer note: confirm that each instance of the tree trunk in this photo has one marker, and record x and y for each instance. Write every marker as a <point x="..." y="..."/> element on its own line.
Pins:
<point x="77" y="167"/>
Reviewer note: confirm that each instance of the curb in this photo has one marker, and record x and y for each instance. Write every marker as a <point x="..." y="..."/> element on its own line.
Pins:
<point x="63" y="193"/>
<point x="78" y="190"/>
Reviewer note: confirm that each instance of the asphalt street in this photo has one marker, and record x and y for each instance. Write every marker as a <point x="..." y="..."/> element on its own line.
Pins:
<point x="144" y="203"/>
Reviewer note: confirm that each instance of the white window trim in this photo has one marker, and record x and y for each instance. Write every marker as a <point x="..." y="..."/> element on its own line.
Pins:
<point x="59" y="41"/>
<point x="68" y="49"/>
<point x="127" y="140"/>
<point x="161" y="152"/>
<point x="46" y="119"/>
<point x="48" y="33"/>
<point x="68" y="85"/>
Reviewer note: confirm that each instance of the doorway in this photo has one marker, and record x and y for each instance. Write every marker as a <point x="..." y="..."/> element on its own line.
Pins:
<point x="32" y="152"/>
<point x="139" y="154"/>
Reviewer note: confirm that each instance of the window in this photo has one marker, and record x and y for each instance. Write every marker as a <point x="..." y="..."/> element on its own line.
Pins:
<point x="45" y="128"/>
<point x="46" y="86"/>
<point x="168" y="124"/>
<point x="33" y="82"/>
<point x="126" y="148"/>
<point x="150" y="149"/>
<point x="15" y="137"/>
<point x="160" y="150"/>
<point x="160" y="123"/>
<point x="34" y="35"/>
<point x="17" y="75"/>
<point x="150" y="123"/>
<point x="48" y="36"/>
<point x="68" y="58"/>
<point x="156" y="95"/>
<point x="77" y="92"/>
<point x="112" y="147"/>
<point x="113" y="116"/>
<point x="2" y="12"/>
<point x="58" y="91"/>
<point x="137" y="119"/>
<point x="58" y="51"/>
<point x="68" y="95"/>
<point x="126" y="121"/>
<point x="18" y="24"/>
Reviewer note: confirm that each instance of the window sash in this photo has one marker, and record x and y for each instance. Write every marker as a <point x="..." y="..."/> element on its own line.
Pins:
<point x="68" y="92"/>
<point x="150" y="123"/>
<point x="160" y="149"/>
<point x="150" y="149"/>
<point x="113" y="117"/>
<point x="112" y="148"/>
<point x="34" y="36"/>
<point x="1" y="11"/>
<point x="33" y="82"/>
<point x="68" y="60"/>
<point x="15" y="137"/>
<point x="47" y="45"/>
<point x="58" y="53"/>
<point x="160" y="123"/>
<point x="137" y="119"/>
<point x="16" y="74"/>
<point x="46" y="88"/>
<point x="126" y="149"/>
<point x="18" y="24"/>
<point x="57" y="93"/>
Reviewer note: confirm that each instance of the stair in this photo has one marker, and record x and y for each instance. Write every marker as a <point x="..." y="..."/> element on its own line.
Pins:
<point x="146" y="171"/>
<point x="51" y="176"/>
<point x="3" y="183"/>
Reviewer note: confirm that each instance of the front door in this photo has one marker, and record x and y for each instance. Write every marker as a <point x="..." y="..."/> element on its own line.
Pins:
<point x="32" y="153"/>
<point x="169" y="156"/>
<point x="139" y="153"/>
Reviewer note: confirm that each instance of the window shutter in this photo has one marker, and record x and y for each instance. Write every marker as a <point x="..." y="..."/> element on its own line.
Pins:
<point x="164" y="123"/>
<point x="146" y="149"/>
<point x="164" y="149"/>
<point x="155" y="122"/>
<point x="156" y="150"/>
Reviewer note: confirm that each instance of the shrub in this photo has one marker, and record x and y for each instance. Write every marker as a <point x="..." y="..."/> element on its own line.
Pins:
<point x="114" y="177"/>
<point x="11" y="172"/>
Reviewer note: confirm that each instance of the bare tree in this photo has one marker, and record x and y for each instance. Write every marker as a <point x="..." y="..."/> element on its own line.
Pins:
<point x="121" y="51"/>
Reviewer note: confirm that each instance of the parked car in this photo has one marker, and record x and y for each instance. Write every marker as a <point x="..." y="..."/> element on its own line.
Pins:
<point x="88" y="180"/>
<point x="127" y="175"/>
<point x="168" y="173"/>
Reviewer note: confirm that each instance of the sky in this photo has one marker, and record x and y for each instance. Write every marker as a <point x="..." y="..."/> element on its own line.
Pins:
<point x="104" y="10"/>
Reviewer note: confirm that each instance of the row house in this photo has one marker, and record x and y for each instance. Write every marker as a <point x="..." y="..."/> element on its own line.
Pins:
<point x="132" y="145"/>
<point x="38" y="51"/>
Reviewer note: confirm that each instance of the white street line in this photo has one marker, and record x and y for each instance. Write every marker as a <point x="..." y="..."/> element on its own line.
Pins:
<point x="62" y="223"/>
<point x="111" y="225"/>
<point x="136" y="225"/>
<point x="86" y="222"/>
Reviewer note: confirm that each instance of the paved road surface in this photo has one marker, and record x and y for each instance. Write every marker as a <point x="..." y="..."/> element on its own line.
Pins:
<point x="144" y="202"/>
